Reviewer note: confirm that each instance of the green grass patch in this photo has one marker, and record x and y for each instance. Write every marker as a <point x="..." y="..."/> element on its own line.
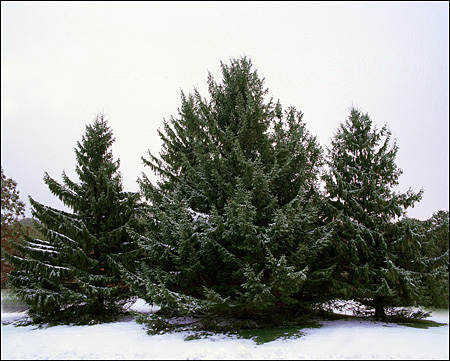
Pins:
<point x="264" y="335"/>
<point x="420" y="323"/>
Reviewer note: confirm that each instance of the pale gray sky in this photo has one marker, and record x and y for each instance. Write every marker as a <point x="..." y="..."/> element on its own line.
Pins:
<point x="62" y="62"/>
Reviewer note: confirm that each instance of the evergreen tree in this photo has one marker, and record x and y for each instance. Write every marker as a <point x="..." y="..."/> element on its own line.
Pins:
<point x="231" y="222"/>
<point x="435" y="244"/>
<point x="72" y="269"/>
<point x="438" y="230"/>
<point x="437" y="233"/>
<point x="376" y="259"/>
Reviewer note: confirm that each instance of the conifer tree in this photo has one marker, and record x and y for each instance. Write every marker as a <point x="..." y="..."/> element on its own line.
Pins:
<point x="377" y="260"/>
<point x="232" y="219"/>
<point x="435" y="244"/>
<point x="72" y="269"/>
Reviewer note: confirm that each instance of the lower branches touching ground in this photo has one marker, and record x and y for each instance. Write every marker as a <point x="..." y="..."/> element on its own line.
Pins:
<point x="220" y="321"/>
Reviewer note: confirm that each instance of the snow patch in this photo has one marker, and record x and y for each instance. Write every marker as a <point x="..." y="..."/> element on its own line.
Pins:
<point x="198" y="215"/>
<point x="342" y="339"/>
<point x="142" y="306"/>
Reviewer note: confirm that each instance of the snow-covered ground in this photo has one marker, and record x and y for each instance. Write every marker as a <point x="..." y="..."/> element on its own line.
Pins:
<point x="342" y="339"/>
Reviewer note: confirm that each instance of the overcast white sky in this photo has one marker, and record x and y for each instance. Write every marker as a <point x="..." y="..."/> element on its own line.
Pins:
<point x="63" y="62"/>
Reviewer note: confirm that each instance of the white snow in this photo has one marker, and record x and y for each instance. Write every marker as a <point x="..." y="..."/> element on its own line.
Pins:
<point x="198" y="215"/>
<point x="43" y="250"/>
<point x="343" y="339"/>
<point x="141" y="306"/>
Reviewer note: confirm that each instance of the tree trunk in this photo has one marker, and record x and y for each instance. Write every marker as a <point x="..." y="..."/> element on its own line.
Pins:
<point x="380" y="314"/>
<point x="99" y="306"/>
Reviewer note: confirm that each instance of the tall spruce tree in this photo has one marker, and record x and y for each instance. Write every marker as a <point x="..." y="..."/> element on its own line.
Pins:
<point x="231" y="221"/>
<point x="72" y="269"/>
<point x="377" y="260"/>
<point x="435" y="244"/>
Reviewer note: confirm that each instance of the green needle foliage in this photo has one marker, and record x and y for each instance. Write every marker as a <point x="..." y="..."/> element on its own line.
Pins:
<point x="71" y="269"/>
<point x="232" y="223"/>
<point x="236" y="226"/>
<point x="377" y="260"/>
<point x="435" y="244"/>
